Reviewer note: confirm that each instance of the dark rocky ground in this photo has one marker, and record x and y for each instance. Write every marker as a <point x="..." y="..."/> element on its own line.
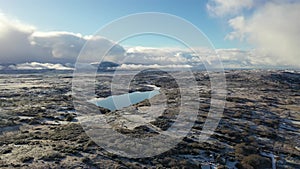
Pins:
<point x="40" y="128"/>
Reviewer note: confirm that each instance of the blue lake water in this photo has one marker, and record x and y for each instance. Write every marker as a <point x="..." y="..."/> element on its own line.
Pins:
<point x="118" y="102"/>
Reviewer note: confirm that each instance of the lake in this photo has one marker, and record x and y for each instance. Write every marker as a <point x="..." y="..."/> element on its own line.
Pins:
<point x="118" y="102"/>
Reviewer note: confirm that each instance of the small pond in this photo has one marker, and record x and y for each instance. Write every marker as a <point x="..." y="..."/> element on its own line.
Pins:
<point x="118" y="102"/>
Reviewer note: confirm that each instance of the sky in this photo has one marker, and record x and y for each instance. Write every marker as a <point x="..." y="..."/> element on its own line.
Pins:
<point x="247" y="32"/>
<point x="86" y="17"/>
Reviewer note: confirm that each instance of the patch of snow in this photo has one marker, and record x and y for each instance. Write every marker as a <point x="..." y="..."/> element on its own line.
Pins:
<point x="154" y="87"/>
<point x="25" y="117"/>
<point x="287" y="127"/>
<point x="292" y="121"/>
<point x="270" y="155"/>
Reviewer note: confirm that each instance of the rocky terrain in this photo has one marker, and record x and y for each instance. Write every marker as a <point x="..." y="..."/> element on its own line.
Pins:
<point x="260" y="127"/>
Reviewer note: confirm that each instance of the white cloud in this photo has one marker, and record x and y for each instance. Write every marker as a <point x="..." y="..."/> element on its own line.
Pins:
<point x="236" y="58"/>
<point x="39" y="66"/>
<point x="273" y="29"/>
<point x="144" y="57"/>
<point x="66" y="45"/>
<point x="140" y="57"/>
<point x="268" y="28"/>
<point x="228" y="7"/>
<point x="154" y="66"/>
<point x="240" y="28"/>
<point x="163" y="56"/>
<point x="9" y="24"/>
<point x="21" y="43"/>
<point x="14" y="43"/>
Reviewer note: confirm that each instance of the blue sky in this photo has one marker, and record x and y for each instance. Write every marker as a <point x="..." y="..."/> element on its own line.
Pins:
<point x="86" y="17"/>
<point x="245" y="33"/>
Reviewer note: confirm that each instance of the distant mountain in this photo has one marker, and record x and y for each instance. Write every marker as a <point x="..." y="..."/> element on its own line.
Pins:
<point x="106" y="66"/>
<point x="34" y="71"/>
<point x="36" y="67"/>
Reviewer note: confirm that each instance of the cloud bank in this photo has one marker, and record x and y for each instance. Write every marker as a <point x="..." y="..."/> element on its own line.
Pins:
<point x="21" y="43"/>
<point x="175" y="58"/>
<point x="153" y="66"/>
<point x="228" y="7"/>
<point x="276" y="38"/>
<point x="272" y="28"/>
<point x="162" y="56"/>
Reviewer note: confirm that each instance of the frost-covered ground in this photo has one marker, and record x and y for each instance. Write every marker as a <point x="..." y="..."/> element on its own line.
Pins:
<point x="40" y="128"/>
